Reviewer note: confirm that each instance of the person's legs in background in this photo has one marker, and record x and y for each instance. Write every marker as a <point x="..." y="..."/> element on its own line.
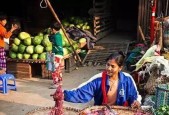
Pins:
<point x="57" y="72"/>
<point x="2" y="60"/>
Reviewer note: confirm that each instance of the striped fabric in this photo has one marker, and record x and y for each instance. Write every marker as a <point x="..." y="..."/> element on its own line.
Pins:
<point x="2" y="58"/>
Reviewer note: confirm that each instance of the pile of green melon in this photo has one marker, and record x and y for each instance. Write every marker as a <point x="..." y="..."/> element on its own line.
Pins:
<point x="81" y="23"/>
<point x="26" y="46"/>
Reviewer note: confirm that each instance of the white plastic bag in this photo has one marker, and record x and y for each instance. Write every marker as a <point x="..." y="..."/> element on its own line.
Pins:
<point x="6" y="40"/>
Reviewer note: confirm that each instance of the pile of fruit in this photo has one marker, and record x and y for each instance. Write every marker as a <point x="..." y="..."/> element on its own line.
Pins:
<point x="26" y="46"/>
<point x="82" y="23"/>
<point x="67" y="49"/>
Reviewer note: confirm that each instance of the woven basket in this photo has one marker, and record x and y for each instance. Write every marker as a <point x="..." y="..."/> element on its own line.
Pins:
<point x="162" y="95"/>
<point x="154" y="80"/>
<point x="119" y="110"/>
<point x="47" y="110"/>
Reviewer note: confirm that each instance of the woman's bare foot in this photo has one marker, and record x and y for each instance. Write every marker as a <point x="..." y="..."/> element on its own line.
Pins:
<point x="2" y="71"/>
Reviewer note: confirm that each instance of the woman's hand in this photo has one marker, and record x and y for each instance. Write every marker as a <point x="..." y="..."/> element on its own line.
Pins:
<point x="14" y="27"/>
<point x="135" y="104"/>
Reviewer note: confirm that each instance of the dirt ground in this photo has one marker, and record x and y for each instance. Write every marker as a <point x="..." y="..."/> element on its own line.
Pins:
<point x="34" y="93"/>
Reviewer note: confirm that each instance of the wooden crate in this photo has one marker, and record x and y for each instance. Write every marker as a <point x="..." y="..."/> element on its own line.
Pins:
<point x="19" y="69"/>
<point x="70" y="64"/>
<point x="45" y="73"/>
<point x="26" y="68"/>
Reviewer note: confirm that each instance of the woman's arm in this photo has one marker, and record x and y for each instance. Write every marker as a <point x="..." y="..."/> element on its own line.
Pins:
<point x="134" y="97"/>
<point x="7" y="34"/>
<point x="139" y="98"/>
<point x="82" y="94"/>
<point x="4" y="33"/>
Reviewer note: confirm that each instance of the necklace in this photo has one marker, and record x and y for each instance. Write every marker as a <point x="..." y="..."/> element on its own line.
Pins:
<point x="112" y="84"/>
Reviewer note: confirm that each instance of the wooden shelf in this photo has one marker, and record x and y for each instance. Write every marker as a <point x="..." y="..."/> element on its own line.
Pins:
<point x="24" y="68"/>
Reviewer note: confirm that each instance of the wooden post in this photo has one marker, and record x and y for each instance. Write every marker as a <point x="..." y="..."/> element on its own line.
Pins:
<point x="57" y="19"/>
<point x="160" y="42"/>
<point x="139" y="19"/>
<point x="142" y="35"/>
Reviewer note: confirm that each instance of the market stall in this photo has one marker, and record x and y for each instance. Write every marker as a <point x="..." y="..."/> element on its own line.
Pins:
<point x="27" y="54"/>
<point x="28" y="65"/>
<point x="26" y="62"/>
<point x="28" y="68"/>
<point x="149" y="67"/>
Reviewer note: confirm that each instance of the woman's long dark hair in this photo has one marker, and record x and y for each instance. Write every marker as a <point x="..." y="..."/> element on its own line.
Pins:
<point x="119" y="57"/>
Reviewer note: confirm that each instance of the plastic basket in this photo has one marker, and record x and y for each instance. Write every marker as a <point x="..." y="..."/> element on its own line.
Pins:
<point x="162" y="95"/>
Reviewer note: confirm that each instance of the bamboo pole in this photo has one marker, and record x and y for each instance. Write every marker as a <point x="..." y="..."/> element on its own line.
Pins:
<point x="57" y="19"/>
<point x="139" y="20"/>
<point x="142" y="35"/>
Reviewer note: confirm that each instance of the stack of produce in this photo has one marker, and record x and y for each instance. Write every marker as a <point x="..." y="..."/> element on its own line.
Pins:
<point x="82" y="23"/>
<point x="67" y="49"/>
<point x="26" y="46"/>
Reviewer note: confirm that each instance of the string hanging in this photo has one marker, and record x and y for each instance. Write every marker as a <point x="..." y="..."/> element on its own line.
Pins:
<point x="45" y="4"/>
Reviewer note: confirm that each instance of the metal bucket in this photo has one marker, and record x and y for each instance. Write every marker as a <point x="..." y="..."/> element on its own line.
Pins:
<point x="47" y="110"/>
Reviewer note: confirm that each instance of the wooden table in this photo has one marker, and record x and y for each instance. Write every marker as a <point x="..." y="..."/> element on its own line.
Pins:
<point x="27" y="68"/>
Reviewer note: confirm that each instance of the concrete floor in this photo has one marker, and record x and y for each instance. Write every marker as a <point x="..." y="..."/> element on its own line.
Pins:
<point x="117" y="37"/>
<point x="34" y="93"/>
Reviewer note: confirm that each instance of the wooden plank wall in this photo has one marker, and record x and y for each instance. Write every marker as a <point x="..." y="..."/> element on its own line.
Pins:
<point x="102" y="18"/>
<point x="144" y="15"/>
<point x="162" y="7"/>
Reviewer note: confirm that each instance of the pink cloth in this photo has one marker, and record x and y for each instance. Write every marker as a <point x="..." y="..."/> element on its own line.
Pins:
<point x="2" y="58"/>
<point x="57" y="73"/>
